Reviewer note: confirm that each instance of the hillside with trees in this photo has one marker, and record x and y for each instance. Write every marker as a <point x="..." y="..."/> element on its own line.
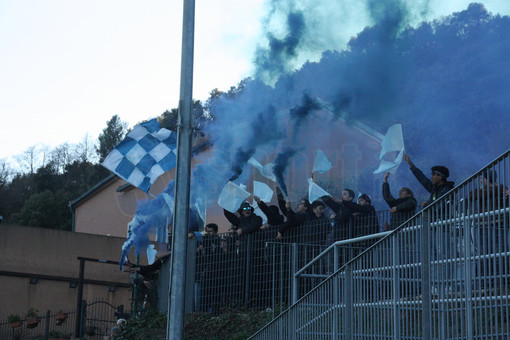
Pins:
<point x="38" y="191"/>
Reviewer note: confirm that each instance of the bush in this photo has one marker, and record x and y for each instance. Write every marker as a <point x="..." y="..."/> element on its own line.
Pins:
<point x="13" y="318"/>
<point x="150" y="326"/>
<point x="232" y="325"/>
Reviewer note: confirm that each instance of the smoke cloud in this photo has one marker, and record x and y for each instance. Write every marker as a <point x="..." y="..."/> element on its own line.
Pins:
<point x="445" y="81"/>
<point x="280" y="165"/>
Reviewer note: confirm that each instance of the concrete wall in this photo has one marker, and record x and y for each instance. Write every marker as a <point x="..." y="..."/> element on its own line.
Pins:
<point x="51" y="256"/>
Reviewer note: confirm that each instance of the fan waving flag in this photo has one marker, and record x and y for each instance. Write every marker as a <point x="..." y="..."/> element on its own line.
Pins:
<point x="146" y="153"/>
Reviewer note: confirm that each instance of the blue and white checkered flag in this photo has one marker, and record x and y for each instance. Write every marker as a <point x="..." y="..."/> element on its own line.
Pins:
<point x="146" y="153"/>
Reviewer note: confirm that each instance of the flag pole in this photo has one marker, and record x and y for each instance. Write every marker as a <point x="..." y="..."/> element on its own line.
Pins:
<point x="176" y="292"/>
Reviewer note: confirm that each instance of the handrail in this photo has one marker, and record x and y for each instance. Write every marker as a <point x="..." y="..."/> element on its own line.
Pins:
<point x="446" y="213"/>
<point x="341" y="243"/>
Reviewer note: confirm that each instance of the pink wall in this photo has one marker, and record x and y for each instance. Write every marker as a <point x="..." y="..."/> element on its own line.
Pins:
<point x="47" y="252"/>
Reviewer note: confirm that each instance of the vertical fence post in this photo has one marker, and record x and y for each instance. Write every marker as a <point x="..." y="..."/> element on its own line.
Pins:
<point x="336" y="301"/>
<point x="425" y="282"/>
<point x="396" y="286"/>
<point x="468" y="276"/>
<point x="190" y="275"/>
<point x="47" y="325"/>
<point x="336" y="259"/>
<point x="247" y="288"/>
<point x="349" y="305"/>
<point x="293" y="271"/>
<point x="79" y="299"/>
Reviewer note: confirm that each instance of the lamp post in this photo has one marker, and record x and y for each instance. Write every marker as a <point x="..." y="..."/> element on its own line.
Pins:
<point x="176" y="293"/>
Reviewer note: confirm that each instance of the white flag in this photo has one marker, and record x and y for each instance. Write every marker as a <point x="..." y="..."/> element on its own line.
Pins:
<point x="393" y="142"/>
<point x="314" y="191"/>
<point x="265" y="170"/>
<point x="232" y="196"/>
<point x="321" y="163"/>
<point x="263" y="191"/>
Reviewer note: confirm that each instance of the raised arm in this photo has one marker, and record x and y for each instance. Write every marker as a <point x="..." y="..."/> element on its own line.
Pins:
<point x="424" y="180"/>
<point x="232" y="218"/>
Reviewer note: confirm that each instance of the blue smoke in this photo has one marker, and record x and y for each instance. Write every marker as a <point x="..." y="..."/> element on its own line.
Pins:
<point x="300" y="113"/>
<point x="151" y="217"/>
<point x="280" y="165"/>
<point x="445" y="81"/>
<point x="271" y="63"/>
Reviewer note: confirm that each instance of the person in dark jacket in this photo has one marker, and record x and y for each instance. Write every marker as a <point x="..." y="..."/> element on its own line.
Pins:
<point x="442" y="243"/>
<point x="365" y="216"/>
<point x="437" y="185"/>
<point x="318" y="226"/>
<point x="274" y="218"/>
<point x="343" y="214"/>
<point x="294" y="218"/>
<point x="401" y="208"/>
<point x="209" y="269"/>
<point x="244" y="221"/>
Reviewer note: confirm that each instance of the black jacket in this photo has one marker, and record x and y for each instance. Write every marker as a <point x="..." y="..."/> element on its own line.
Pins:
<point x="406" y="207"/>
<point x="247" y="225"/>
<point x="436" y="191"/>
<point x="365" y="220"/>
<point x="272" y="213"/>
<point x="342" y="210"/>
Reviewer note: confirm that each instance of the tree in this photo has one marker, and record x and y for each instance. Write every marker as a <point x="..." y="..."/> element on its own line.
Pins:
<point x="45" y="209"/>
<point x="60" y="157"/>
<point x="5" y="173"/>
<point x="168" y="119"/>
<point x="84" y="151"/>
<point x="111" y="136"/>
<point x="28" y="160"/>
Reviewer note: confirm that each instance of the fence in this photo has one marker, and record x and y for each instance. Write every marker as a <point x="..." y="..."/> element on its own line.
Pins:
<point x="256" y="270"/>
<point x="98" y="317"/>
<point x="49" y="326"/>
<point x="444" y="274"/>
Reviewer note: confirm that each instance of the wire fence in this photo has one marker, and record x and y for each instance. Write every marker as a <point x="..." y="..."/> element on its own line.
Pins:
<point x="257" y="270"/>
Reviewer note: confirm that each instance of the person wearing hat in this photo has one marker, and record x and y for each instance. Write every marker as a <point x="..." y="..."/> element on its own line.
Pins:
<point x="437" y="185"/>
<point x="294" y="218"/>
<point x="365" y="216"/>
<point x="244" y="221"/>
<point x="274" y="218"/>
<point x="343" y="212"/>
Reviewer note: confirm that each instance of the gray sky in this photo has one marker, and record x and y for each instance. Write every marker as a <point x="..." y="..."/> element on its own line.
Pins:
<point x="67" y="66"/>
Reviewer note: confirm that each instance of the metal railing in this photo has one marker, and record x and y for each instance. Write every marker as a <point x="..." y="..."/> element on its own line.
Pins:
<point x="444" y="274"/>
<point x="47" y="326"/>
<point x="98" y="318"/>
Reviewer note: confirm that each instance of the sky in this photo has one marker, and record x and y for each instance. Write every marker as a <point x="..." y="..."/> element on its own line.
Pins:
<point x="66" y="67"/>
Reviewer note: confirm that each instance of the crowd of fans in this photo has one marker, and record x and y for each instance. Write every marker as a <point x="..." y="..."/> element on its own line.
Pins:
<point x="239" y="267"/>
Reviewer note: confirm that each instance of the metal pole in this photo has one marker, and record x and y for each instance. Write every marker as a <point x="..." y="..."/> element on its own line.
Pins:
<point x="47" y="325"/>
<point x="349" y="304"/>
<point x="247" y="271"/>
<point x="425" y="281"/>
<point x="175" y="318"/>
<point x="79" y="299"/>
<point x="294" y="269"/>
